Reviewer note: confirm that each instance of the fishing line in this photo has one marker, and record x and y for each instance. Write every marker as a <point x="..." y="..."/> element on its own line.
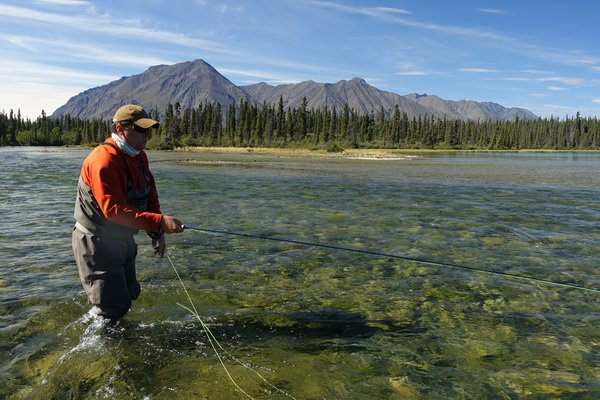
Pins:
<point x="528" y="279"/>
<point x="214" y="343"/>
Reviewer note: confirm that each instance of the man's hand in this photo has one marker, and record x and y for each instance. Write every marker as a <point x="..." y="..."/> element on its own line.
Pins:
<point x="160" y="246"/>
<point x="171" y="225"/>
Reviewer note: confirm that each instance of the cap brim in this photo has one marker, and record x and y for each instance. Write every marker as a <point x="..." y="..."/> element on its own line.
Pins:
<point x="146" y="123"/>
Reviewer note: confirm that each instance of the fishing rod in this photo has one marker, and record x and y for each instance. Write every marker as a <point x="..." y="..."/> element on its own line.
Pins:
<point x="528" y="279"/>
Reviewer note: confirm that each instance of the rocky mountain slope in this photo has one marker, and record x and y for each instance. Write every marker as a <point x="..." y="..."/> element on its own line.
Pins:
<point x="359" y="95"/>
<point x="189" y="83"/>
<point x="194" y="82"/>
<point x="473" y="110"/>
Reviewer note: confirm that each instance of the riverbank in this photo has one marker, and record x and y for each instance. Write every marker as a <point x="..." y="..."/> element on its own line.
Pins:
<point x="362" y="153"/>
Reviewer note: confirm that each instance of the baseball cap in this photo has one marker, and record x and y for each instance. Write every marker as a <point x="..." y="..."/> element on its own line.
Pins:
<point x="136" y="115"/>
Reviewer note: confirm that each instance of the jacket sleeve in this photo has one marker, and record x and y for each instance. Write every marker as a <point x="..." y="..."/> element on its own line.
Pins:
<point x="153" y="203"/>
<point x="108" y="184"/>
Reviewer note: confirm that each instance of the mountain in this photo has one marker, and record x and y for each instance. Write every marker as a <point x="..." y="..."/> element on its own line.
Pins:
<point x="189" y="83"/>
<point x="473" y="110"/>
<point x="359" y="95"/>
<point x="194" y="82"/>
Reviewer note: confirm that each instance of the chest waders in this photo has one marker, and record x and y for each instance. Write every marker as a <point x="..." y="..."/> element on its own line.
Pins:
<point x="105" y="252"/>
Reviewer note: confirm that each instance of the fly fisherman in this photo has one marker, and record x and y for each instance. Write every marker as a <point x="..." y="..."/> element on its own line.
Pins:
<point x="116" y="197"/>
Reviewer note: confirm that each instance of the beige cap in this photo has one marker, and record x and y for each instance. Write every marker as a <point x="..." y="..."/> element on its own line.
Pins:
<point x="135" y="114"/>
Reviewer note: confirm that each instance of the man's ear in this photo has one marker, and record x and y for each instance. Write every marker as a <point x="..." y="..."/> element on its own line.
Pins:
<point x="119" y="128"/>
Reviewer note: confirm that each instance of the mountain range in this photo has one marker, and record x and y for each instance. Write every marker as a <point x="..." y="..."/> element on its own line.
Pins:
<point x="195" y="82"/>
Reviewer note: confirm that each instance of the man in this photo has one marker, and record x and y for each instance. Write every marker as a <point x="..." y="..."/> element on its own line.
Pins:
<point x="116" y="197"/>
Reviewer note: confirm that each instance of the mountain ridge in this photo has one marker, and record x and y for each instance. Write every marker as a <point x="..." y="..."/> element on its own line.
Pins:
<point x="357" y="93"/>
<point x="192" y="83"/>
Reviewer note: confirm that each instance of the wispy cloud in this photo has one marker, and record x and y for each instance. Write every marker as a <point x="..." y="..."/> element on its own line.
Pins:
<point x="519" y="45"/>
<point x="265" y="76"/>
<point x="412" y="73"/>
<point x="104" y="24"/>
<point x="597" y="101"/>
<point x="490" y="11"/>
<point x="516" y="79"/>
<point x="557" y="88"/>
<point x="79" y="51"/>
<point x="478" y="70"/>
<point x="537" y="71"/>
<point x="586" y="61"/>
<point x="395" y="17"/>
<point x="44" y="73"/>
<point x="64" y="2"/>
<point x="569" y="81"/>
<point x="381" y="12"/>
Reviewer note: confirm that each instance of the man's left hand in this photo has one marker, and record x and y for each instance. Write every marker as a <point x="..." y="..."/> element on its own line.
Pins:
<point x="160" y="246"/>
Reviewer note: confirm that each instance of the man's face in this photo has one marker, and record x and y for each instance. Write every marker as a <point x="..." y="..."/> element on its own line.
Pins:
<point x="135" y="136"/>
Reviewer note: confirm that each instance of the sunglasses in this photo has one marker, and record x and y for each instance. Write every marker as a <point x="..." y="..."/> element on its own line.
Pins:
<point x="133" y="127"/>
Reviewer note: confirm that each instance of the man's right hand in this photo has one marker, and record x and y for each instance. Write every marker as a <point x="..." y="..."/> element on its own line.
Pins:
<point x="170" y="224"/>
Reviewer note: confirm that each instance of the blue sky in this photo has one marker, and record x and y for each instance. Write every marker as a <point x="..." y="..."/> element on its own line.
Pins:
<point x="540" y="55"/>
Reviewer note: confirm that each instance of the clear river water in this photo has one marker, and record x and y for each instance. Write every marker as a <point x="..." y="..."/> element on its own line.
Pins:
<point x="316" y="323"/>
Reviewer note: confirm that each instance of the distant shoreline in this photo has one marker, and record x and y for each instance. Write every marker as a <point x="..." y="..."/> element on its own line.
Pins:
<point x="376" y="153"/>
<point x="347" y="153"/>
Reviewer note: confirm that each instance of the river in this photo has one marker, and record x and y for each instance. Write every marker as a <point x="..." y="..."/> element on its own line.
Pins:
<point x="315" y="322"/>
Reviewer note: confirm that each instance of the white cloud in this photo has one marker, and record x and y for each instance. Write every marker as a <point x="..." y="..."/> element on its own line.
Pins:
<point x="516" y="79"/>
<point x="382" y="11"/>
<point x="587" y="61"/>
<point x="537" y="71"/>
<point x="266" y="76"/>
<point x="412" y="73"/>
<point x="570" y="81"/>
<point x="394" y="17"/>
<point x="64" y="2"/>
<point x="557" y="88"/>
<point x="597" y="101"/>
<point x="104" y="24"/>
<point x="478" y="70"/>
<point x="491" y="11"/>
<point x="24" y="72"/>
<point x="77" y="51"/>
<point x="30" y="14"/>
<point x="518" y="45"/>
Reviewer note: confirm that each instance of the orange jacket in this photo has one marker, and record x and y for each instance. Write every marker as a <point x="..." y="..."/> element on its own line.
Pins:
<point x="103" y="173"/>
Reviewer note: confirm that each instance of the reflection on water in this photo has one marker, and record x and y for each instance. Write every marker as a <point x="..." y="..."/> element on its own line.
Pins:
<point x="315" y="322"/>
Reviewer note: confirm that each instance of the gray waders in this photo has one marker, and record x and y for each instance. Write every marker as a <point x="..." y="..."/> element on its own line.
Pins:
<point x="107" y="270"/>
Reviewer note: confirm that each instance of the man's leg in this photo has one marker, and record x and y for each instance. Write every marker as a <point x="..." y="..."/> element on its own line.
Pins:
<point x="101" y="263"/>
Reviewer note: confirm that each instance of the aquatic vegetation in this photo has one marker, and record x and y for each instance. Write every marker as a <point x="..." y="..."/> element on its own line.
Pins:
<point x="317" y="323"/>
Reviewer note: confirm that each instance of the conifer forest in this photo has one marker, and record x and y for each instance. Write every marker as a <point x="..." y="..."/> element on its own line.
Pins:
<point x="273" y="125"/>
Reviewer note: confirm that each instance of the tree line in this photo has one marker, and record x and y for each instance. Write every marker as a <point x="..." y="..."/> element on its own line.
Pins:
<point x="273" y="125"/>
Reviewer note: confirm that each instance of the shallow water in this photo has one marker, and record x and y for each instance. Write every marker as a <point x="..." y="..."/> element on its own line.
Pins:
<point x="315" y="322"/>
